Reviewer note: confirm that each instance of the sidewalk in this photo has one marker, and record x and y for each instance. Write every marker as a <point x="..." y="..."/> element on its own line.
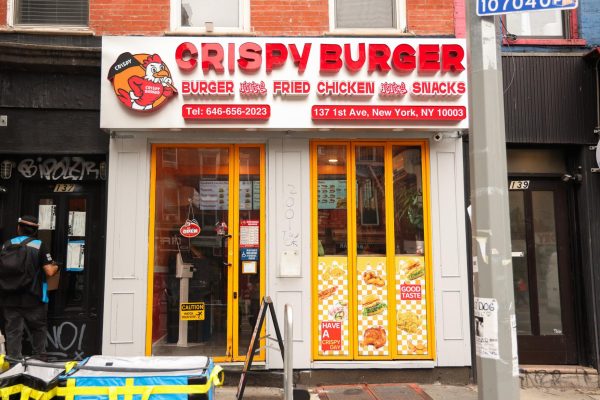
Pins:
<point x="436" y="392"/>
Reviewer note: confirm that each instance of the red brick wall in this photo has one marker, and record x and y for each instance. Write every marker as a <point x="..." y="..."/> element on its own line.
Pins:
<point x="3" y="5"/>
<point x="129" y="17"/>
<point x="430" y="17"/>
<point x="268" y="17"/>
<point x="289" y="18"/>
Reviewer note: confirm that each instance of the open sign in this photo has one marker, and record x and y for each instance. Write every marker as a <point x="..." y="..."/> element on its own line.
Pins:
<point x="190" y="229"/>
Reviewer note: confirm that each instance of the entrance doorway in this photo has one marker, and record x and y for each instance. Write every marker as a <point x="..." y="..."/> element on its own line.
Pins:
<point x="541" y="257"/>
<point x="71" y="217"/>
<point x="207" y="253"/>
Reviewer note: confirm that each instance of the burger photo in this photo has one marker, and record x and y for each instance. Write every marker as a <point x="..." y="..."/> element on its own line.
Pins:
<point x="372" y="305"/>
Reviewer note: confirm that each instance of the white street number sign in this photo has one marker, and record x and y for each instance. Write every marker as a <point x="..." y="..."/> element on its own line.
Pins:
<point x="496" y="7"/>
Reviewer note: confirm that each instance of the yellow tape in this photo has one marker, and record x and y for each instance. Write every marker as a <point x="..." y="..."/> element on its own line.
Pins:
<point x="129" y="390"/>
<point x="6" y="392"/>
<point x="26" y="393"/>
<point x="69" y="366"/>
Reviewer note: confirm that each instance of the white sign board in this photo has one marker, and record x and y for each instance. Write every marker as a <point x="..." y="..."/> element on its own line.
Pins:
<point x="283" y="83"/>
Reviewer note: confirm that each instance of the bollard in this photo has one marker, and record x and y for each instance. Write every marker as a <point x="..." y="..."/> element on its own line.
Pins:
<point x="288" y="365"/>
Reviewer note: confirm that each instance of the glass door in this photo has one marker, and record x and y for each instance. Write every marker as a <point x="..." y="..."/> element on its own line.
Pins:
<point x="542" y="272"/>
<point x="71" y="225"/>
<point x="207" y="261"/>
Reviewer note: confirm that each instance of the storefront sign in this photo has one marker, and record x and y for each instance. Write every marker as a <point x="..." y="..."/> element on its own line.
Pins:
<point x="284" y="83"/>
<point x="331" y="336"/>
<point x="192" y="311"/>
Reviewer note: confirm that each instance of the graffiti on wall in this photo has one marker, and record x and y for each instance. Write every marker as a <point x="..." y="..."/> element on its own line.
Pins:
<point x="65" y="340"/>
<point x="65" y="168"/>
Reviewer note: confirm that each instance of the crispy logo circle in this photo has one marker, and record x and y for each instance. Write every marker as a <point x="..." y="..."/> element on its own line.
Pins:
<point x="142" y="82"/>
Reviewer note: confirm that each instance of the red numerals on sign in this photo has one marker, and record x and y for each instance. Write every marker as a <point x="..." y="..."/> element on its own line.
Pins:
<point x="226" y="111"/>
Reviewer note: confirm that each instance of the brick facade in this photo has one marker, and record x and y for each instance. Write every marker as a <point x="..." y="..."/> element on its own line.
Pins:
<point x="268" y="17"/>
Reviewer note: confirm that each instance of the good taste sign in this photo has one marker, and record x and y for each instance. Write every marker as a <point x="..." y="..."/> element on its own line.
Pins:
<point x="283" y="83"/>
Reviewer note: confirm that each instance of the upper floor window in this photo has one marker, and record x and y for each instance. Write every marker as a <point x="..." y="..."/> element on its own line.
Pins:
<point x="51" y="12"/>
<point x="548" y="27"/>
<point x="547" y="23"/>
<point x="209" y="15"/>
<point x="357" y="15"/>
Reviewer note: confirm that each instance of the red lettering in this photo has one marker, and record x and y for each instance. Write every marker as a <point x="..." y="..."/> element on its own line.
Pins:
<point x="330" y="58"/>
<point x="212" y="56"/>
<point x="231" y="58"/>
<point x="250" y="57"/>
<point x="403" y="58"/>
<point x="351" y="64"/>
<point x="300" y="60"/>
<point x="378" y="56"/>
<point x="452" y="56"/>
<point x="275" y="55"/>
<point x="186" y="56"/>
<point x="429" y="57"/>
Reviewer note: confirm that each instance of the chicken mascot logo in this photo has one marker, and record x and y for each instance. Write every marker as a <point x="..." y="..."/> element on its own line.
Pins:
<point x="141" y="81"/>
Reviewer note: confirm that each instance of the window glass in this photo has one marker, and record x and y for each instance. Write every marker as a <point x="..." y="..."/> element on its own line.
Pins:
<point x="408" y="200"/>
<point x="546" y="263"/>
<point x="536" y="23"/>
<point x="52" y="12"/>
<point x="370" y="201"/>
<point x="190" y="250"/>
<point x="203" y="13"/>
<point x="519" y="259"/>
<point x="332" y="200"/>
<point x="365" y="14"/>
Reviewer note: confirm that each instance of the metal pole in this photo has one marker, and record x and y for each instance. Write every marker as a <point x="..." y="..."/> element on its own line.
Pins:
<point x="288" y="365"/>
<point x="494" y="312"/>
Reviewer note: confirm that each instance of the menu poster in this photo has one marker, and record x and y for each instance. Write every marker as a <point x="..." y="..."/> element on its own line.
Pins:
<point x="331" y="194"/>
<point x="76" y="223"/>
<point x="75" y="255"/>
<point x="246" y="195"/>
<point x="214" y="195"/>
<point x="249" y="233"/>
<point x="47" y="217"/>
<point x="256" y="195"/>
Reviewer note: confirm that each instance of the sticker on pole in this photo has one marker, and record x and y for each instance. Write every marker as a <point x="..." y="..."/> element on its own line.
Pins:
<point x="191" y="311"/>
<point x="498" y="7"/>
<point x="486" y="328"/>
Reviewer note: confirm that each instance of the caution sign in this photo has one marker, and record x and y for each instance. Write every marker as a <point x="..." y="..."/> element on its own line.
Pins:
<point x="191" y="311"/>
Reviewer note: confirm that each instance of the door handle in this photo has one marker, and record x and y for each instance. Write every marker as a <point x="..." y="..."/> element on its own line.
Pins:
<point x="518" y="254"/>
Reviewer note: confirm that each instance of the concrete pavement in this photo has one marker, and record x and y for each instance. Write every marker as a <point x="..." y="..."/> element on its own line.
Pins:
<point x="435" y="391"/>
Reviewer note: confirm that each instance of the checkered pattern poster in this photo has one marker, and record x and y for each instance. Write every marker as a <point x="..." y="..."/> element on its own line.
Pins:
<point x="332" y="309"/>
<point x="411" y="304"/>
<point x="372" y="300"/>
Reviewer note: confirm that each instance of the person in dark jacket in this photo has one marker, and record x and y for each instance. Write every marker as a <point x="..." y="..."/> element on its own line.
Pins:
<point x="28" y="307"/>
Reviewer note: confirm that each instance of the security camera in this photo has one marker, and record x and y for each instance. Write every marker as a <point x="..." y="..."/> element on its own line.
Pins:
<point x="438" y="136"/>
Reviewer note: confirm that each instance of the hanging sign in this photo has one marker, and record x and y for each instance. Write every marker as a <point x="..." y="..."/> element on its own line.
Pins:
<point x="190" y="229"/>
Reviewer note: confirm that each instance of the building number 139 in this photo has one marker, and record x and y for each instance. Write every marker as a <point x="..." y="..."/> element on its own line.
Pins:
<point x="519" y="185"/>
